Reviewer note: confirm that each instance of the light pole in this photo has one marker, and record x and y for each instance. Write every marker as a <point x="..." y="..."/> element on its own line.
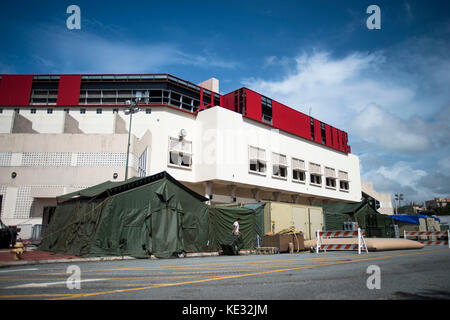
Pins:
<point x="398" y="197"/>
<point x="132" y="108"/>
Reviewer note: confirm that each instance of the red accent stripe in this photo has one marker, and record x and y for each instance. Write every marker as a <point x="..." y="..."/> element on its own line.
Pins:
<point x="201" y="97"/>
<point x="15" y="90"/>
<point x="253" y="103"/>
<point x="69" y="90"/>
<point x="290" y="120"/>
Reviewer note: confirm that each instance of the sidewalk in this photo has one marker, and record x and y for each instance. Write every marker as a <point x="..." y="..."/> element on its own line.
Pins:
<point x="33" y="256"/>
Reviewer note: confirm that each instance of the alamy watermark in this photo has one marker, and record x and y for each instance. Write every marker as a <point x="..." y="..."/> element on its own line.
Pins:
<point x="374" y="280"/>
<point x="374" y="21"/>
<point x="74" y="280"/>
<point x="73" y="22"/>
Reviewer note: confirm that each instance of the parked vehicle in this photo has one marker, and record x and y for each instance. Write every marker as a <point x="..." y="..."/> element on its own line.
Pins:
<point x="8" y="235"/>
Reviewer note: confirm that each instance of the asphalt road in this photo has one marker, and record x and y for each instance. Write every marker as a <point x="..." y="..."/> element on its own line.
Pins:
<point x="405" y="274"/>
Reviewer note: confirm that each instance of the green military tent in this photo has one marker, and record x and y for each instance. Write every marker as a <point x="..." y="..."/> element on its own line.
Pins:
<point x="137" y="217"/>
<point x="143" y="216"/>
<point x="251" y="225"/>
<point x="375" y="224"/>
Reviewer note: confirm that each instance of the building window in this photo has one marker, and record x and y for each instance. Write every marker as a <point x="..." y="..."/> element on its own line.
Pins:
<point x="331" y="136"/>
<point x="49" y="111"/>
<point x="142" y="164"/>
<point x="323" y="133"/>
<point x="343" y="181"/>
<point x="257" y="160"/>
<point x="99" y="111"/>
<point x="115" y="110"/>
<point x="331" y="183"/>
<point x="316" y="179"/>
<point x="240" y="101"/>
<point x="1" y="110"/>
<point x="279" y="165"/>
<point x="315" y="174"/>
<point x="16" y="110"/>
<point x="32" y="110"/>
<point x="82" y="111"/>
<point x="330" y="178"/>
<point x="298" y="170"/>
<point x="180" y="153"/>
<point x="148" y="111"/>
<point x="343" y="185"/>
<point x="45" y="96"/>
<point x="266" y="106"/>
<point x="312" y="129"/>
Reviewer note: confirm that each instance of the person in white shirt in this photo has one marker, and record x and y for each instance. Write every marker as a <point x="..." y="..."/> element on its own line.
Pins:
<point x="236" y="227"/>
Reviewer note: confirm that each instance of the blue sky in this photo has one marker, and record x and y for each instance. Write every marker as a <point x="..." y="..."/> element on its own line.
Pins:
<point x="388" y="88"/>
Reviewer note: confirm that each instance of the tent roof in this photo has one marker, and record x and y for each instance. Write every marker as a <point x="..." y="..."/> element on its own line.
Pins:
<point x="109" y="188"/>
<point x="343" y="207"/>
<point x="411" y="218"/>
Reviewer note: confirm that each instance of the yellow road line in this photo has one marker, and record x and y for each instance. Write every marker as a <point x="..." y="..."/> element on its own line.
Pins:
<point x="205" y="265"/>
<point x="84" y="295"/>
<point x="18" y="296"/>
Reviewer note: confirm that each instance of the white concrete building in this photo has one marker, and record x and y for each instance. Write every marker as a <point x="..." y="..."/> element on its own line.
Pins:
<point x="383" y="199"/>
<point x="71" y="132"/>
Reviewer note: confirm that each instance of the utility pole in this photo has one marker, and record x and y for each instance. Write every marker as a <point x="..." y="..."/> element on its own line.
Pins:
<point x="132" y="108"/>
<point x="398" y="197"/>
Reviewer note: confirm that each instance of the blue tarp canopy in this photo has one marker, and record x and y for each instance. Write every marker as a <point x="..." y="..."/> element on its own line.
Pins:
<point x="410" y="218"/>
<point x="436" y="218"/>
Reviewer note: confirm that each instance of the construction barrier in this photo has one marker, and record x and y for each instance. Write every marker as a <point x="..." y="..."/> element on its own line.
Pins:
<point x="429" y="234"/>
<point x="361" y="245"/>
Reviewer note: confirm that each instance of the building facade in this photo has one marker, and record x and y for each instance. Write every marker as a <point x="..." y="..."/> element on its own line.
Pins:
<point x="383" y="200"/>
<point x="62" y="133"/>
<point x="437" y="203"/>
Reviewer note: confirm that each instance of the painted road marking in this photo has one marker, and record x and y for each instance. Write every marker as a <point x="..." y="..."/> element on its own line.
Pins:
<point x="84" y="295"/>
<point x="18" y="270"/>
<point x="175" y="268"/>
<point x="47" y="284"/>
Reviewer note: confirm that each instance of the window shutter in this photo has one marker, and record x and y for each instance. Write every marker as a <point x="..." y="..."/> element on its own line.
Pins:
<point x="343" y="175"/>
<point x="253" y="153"/>
<point x="315" y="168"/>
<point x="330" y="172"/>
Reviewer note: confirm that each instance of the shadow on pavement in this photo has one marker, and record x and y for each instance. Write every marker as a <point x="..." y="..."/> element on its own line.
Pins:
<point x="423" y="295"/>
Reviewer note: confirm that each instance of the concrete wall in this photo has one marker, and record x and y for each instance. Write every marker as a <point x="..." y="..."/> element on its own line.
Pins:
<point x="222" y="153"/>
<point x="384" y="198"/>
<point x="54" y="160"/>
<point x="49" y="165"/>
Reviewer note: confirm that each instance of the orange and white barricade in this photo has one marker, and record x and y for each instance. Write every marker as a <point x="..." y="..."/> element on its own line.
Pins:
<point x="321" y="235"/>
<point x="429" y="234"/>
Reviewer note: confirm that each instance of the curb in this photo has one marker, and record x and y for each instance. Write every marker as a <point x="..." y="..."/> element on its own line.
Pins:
<point x="94" y="259"/>
<point x="67" y="260"/>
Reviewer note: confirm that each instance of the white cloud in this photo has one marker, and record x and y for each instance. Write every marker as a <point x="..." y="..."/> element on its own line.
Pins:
<point x="444" y="165"/>
<point x="399" y="178"/>
<point x="395" y="104"/>
<point x="334" y="88"/>
<point x="389" y="132"/>
<point x="85" y="52"/>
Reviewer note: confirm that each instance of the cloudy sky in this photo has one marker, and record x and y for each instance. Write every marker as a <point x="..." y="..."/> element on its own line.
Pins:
<point x="388" y="88"/>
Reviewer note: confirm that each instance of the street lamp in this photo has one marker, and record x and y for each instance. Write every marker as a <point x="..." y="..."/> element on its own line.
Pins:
<point x="398" y="197"/>
<point x="132" y="107"/>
